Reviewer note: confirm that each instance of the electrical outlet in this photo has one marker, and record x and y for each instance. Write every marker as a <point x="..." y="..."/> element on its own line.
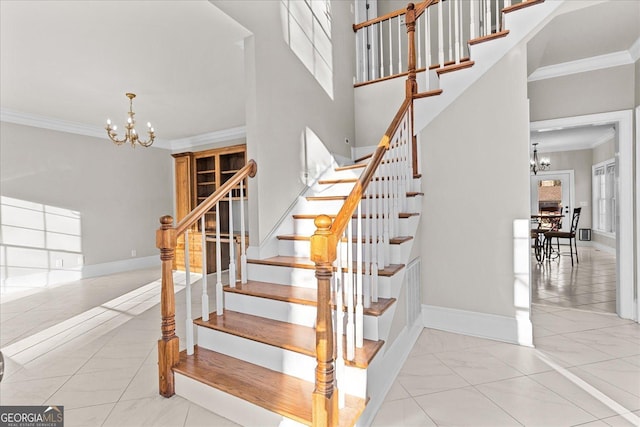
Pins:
<point x="80" y="259"/>
<point x="133" y="252"/>
<point x="59" y="263"/>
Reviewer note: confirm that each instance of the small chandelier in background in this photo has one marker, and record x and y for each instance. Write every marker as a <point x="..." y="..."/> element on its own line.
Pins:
<point x="130" y="134"/>
<point x="538" y="165"/>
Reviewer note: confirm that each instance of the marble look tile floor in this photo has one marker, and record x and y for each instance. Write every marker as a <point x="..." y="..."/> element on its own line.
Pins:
<point x="587" y="285"/>
<point x="98" y="359"/>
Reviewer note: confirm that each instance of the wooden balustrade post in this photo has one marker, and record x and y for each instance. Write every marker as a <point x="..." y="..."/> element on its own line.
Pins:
<point x="325" y="394"/>
<point x="168" y="345"/>
<point x="411" y="84"/>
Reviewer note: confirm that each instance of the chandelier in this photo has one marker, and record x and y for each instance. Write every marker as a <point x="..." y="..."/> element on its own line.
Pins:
<point x="538" y="165"/>
<point x="130" y="134"/>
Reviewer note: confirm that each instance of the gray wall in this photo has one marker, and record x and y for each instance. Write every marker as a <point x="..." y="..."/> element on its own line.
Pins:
<point x="637" y="86"/>
<point x="286" y="101"/>
<point x="119" y="192"/>
<point x="472" y="197"/>
<point x="610" y="89"/>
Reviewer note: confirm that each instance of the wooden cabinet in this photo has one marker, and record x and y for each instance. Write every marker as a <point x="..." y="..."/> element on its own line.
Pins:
<point x="197" y="176"/>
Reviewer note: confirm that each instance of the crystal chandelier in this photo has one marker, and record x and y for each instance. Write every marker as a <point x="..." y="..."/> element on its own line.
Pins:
<point x="538" y="165"/>
<point x="130" y="133"/>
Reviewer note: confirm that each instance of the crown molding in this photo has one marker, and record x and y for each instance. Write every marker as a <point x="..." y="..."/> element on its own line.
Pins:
<point x="208" y="138"/>
<point x="43" y="122"/>
<point x="609" y="60"/>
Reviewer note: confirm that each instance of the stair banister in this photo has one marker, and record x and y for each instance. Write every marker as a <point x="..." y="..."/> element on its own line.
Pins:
<point x="166" y="240"/>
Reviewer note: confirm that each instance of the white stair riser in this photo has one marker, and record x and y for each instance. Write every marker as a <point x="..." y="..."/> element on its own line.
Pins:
<point x="301" y="248"/>
<point x="305" y="278"/>
<point x="231" y="407"/>
<point x="274" y="358"/>
<point x="306" y="227"/>
<point x="298" y="314"/>
<point x="331" y="207"/>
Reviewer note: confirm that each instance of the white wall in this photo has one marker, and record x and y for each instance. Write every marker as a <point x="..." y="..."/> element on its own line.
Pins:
<point x="119" y="192"/>
<point x="286" y="100"/>
<point x="475" y="169"/>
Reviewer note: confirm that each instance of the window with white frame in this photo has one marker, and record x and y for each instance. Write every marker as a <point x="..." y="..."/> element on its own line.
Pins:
<point x="604" y="196"/>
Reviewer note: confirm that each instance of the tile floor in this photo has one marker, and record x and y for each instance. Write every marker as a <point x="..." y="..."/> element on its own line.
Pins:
<point x="587" y="285"/>
<point x="91" y="346"/>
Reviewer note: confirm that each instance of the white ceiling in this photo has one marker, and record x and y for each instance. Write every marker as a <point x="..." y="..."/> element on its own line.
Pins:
<point x="75" y="60"/>
<point x="587" y="29"/>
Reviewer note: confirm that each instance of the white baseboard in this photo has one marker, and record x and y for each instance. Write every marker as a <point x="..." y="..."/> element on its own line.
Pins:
<point x="513" y="330"/>
<point x="103" y="269"/>
<point x="392" y="360"/>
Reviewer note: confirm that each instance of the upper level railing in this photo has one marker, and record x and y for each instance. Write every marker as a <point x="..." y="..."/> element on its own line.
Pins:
<point x="443" y="31"/>
<point x="167" y="240"/>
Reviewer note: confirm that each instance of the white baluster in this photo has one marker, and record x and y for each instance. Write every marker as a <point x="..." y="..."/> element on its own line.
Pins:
<point x="381" y="52"/>
<point x="374" y="239"/>
<point x="187" y="272"/>
<point x="359" y="275"/>
<point x="427" y="40"/>
<point x="399" y="46"/>
<point x="232" y="245"/>
<point x="380" y="221"/>
<point x="339" y="295"/>
<point x="507" y="3"/>
<point x="450" y="16"/>
<point x="205" y="285"/>
<point x="243" y="246"/>
<point x="472" y="20"/>
<point x="487" y="18"/>
<point x="219" y="290"/>
<point x="457" y="29"/>
<point x="368" y="244"/>
<point x="349" y="294"/>
<point x="440" y="36"/>
<point x="497" y="15"/>
<point x="387" y="209"/>
<point x="390" y="47"/>
<point x="365" y="56"/>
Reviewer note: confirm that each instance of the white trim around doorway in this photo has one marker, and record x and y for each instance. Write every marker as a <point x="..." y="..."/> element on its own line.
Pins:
<point x="628" y="306"/>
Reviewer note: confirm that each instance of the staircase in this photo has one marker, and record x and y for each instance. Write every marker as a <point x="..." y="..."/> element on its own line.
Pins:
<point x="267" y="355"/>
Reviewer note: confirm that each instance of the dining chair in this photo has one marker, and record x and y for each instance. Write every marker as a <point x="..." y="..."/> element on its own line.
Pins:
<point x="571" y="235"/>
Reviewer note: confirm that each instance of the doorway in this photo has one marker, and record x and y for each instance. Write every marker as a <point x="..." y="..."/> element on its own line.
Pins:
<point x="623" y="122"/>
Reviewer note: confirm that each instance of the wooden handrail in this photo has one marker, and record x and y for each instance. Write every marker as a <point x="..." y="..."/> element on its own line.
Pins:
<point x="419" y="8"/>
<point x="166" y="241"/>
<point x="188" y="221"/>
<point x="351" y="203"/>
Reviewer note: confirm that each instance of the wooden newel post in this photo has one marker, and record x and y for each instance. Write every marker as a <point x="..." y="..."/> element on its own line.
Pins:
<point x="411" y="84"/>
<point x="325" y="394"/>
<point x="168" y="348"/>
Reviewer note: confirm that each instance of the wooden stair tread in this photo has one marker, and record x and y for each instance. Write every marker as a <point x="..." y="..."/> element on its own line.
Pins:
<point x="297" y="295"/>
<point x="429" y="93"/>
<point x="447" y="63"/>
<point x="359" y="159"/>
<point x="454" y="67"/>
<point x="331" y="198"/>
<point x="288" y="336"/>
<point x="349" y="167"/>
<point x="488" y="37"/>
<point x="313" y="216"/>
<point x="299" y="262"/>
<point x="393" y="241"/>
<point x="280" y="393"/>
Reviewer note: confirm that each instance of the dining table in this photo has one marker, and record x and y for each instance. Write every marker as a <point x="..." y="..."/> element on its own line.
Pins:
<point x="545" y="222"/>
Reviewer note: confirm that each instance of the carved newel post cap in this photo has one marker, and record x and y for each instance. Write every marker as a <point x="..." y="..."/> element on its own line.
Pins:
<point x="410" y="6"/>
<point x="322" y="222"/>
<point x="166" y="220"/>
